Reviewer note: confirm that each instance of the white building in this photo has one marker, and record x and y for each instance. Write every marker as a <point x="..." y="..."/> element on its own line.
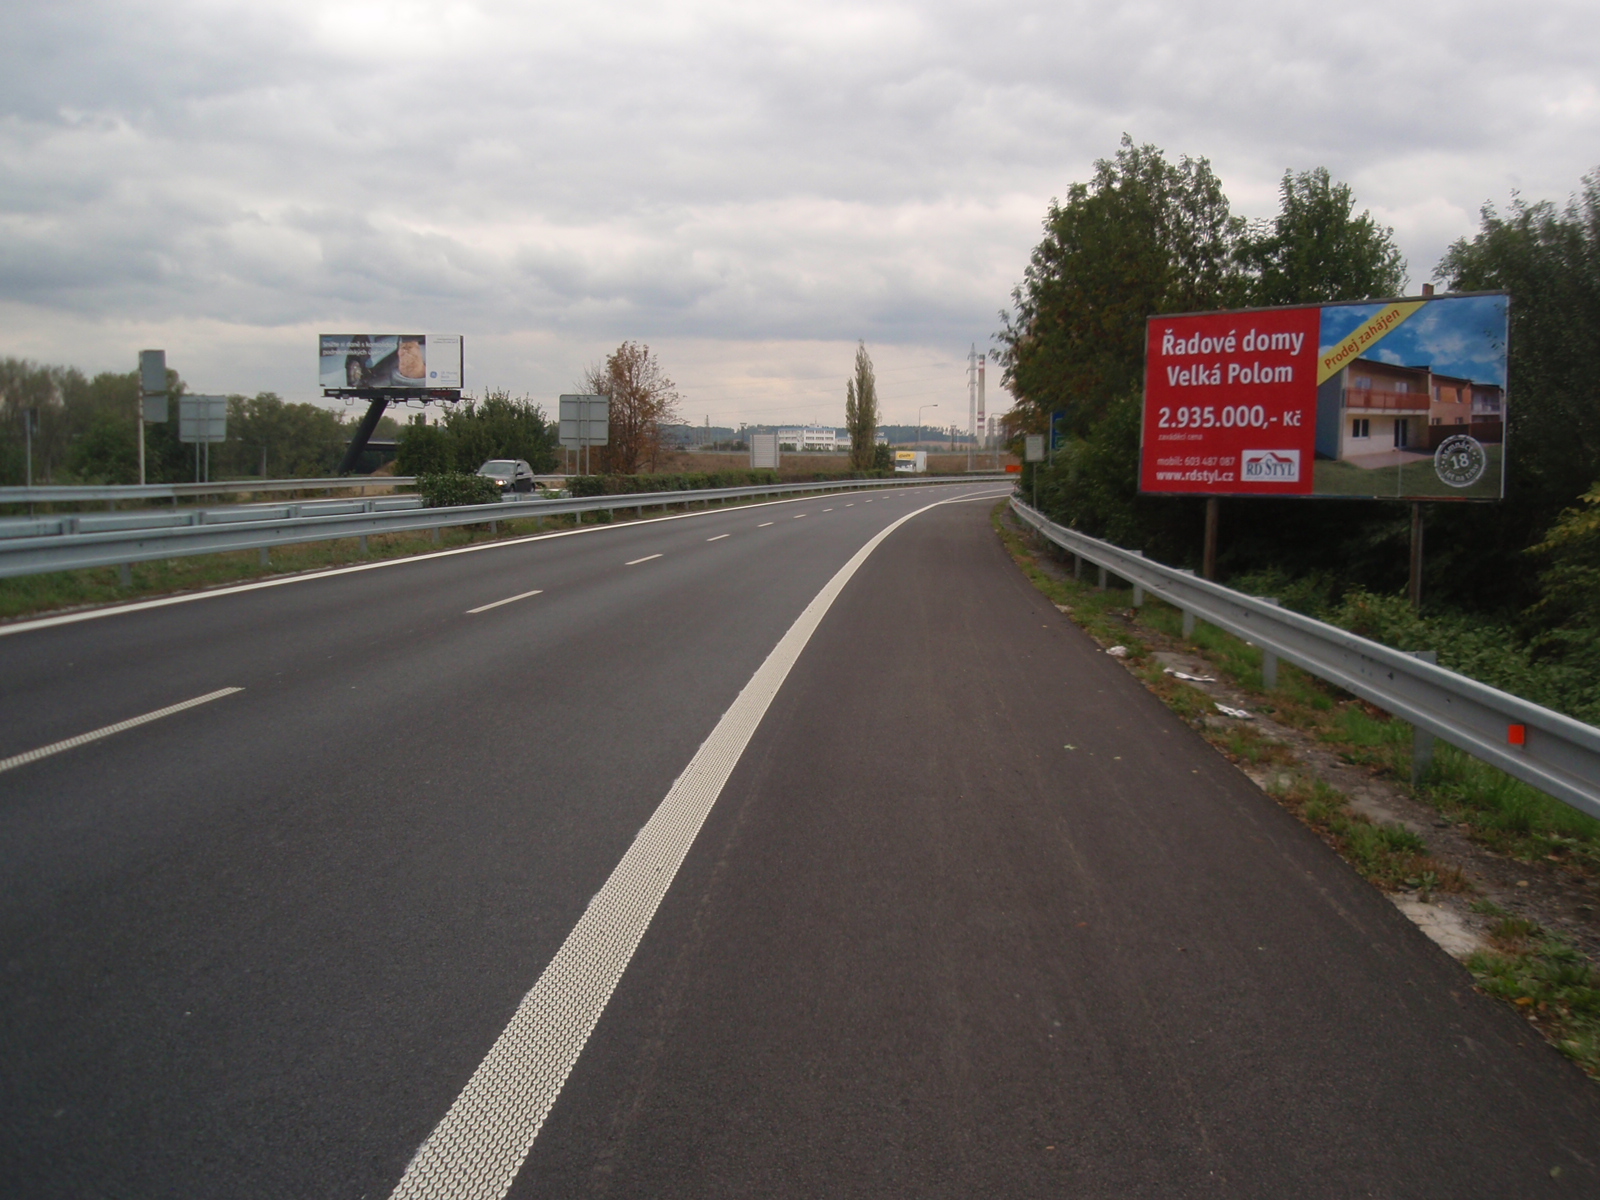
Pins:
<point x="808" y="437"/>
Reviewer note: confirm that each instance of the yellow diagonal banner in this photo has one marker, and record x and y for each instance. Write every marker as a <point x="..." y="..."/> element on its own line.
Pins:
<point x="1384" y="322"/>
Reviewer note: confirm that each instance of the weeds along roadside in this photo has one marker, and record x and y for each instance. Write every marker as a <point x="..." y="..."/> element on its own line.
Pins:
<point x="1543" y="977"/>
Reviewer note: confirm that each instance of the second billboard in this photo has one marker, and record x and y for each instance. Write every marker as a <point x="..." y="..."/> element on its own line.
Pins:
<point x="1390" y="399"/>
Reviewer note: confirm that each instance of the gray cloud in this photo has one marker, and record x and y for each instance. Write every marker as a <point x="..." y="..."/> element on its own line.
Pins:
<point x="702" y="175"/>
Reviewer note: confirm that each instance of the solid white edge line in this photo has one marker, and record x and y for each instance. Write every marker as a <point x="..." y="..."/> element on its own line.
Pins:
<point x="20" y="760"/>
<point x="637" y="561"/>
<point x="507" y="600"/>
<point x="476" y="1150"/>
<point x="94" y="614"/>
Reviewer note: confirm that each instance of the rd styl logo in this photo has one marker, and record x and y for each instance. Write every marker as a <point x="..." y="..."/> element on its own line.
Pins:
<point x="1277" y="466"/>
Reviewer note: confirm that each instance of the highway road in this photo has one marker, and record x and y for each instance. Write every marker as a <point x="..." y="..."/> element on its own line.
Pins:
<point x="799" y="849"/>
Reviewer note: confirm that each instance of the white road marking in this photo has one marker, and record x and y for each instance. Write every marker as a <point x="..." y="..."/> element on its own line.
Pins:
<point x="718" y="538"/>
<point x="763" y="524"/>
<point x="21" y="760"/>
<point x="827" y="510"/>
<point x="797" y="516"/>
<point x="636" y="561"/>
<point x="475" y="1152"/>
<point x="507" y="600"/>
<point x="114" y="610"/>
<point x="849" y="505"/>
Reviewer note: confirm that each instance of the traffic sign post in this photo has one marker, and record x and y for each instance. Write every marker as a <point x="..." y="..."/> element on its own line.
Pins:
<point x="201" y="421"/>
<point x="152" y="395"/>
<point x="585" y="422"/>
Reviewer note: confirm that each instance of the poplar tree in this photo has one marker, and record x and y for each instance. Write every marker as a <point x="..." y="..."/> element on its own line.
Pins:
<point x="861" y="411"/>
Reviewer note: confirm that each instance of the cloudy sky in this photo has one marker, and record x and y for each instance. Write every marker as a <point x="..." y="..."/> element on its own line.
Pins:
<point x="748" y="188"/>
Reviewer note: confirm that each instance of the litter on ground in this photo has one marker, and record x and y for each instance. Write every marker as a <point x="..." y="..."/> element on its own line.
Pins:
<point x="1191" y="678"/>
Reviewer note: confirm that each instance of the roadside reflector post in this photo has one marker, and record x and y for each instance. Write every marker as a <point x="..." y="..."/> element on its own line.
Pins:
<point x="1421" y="740"/>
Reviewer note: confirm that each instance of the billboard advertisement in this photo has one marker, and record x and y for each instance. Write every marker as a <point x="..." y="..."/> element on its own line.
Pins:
<point x="390" y="360"/>
<point x="1385" y="399"/>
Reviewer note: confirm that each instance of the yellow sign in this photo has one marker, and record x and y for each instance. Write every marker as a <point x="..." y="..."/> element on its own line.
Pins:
<point x="1384" y="322"/>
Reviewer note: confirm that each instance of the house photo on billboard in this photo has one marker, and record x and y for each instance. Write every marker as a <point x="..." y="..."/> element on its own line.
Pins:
<point x="1422" y="411"/>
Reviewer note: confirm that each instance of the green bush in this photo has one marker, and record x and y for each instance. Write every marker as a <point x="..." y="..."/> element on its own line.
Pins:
<point x="447" y="489"/>
<point x="425" y="450"/>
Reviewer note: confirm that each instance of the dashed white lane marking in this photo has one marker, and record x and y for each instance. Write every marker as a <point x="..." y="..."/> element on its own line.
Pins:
<point x="827" y="510"/>
<point x="850" y="505"/>
<point x="763" y="524"/>
<point x="475" y="1152"/>
<point x="797" y="516"/>
<point x="20" y="760"/>
<point x="117" y="610"/>
<point x="507" y="600"/>
<point x="719" y="537"/>
<point x="635" y="562"/>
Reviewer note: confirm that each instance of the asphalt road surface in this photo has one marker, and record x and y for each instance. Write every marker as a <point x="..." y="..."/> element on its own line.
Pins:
<point x="970" y="913"/>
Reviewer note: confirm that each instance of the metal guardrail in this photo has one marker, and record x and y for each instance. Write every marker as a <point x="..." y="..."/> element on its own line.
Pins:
<point x="1556" y="754"/>
<point x="88" y="542"/>
<point x="168" y="518"/>
<point x="111" y="493"/>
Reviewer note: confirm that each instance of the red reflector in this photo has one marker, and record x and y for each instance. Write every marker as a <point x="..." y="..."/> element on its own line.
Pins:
<point x="1517" y="735"/>
<point x="1013" y="468"/>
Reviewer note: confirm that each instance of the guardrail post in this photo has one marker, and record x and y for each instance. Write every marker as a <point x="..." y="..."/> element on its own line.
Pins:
<point x="124" y="575"/>
<point x="1138" y="596"/>
<point x="435" y="532"/>
<point x="494" y="531"/>
<point x="1421" y="740"/>
<point x="1188" y="624"/>
<point x="266" y="559"/>
<point x="1101" y="586"/>
<point x="1269" y="660"/>
<point x="1077" y="567"/>
<point x="363" y="545"/>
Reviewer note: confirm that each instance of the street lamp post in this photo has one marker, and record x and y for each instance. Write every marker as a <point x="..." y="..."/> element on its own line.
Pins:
<point x="919" y="422"/>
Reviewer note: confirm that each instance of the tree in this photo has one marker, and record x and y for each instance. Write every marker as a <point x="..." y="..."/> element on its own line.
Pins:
<point x="1549" y="259"/>
<point x="1144" y="236"/>
<point x="861" y="412"/>
<point x="1315" y="251"/>
<point x="500" y="427"/>
<point x="424" y="449"/>
<point x="642" y="398"/>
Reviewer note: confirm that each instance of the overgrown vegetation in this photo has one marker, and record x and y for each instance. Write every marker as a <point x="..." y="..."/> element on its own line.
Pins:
<point x="449" y="488"/>
<point x="88" y="431"/>
<point x="475" y="431"/>
<point x="1553" y="985"/>
<point x="1511" y="589"/>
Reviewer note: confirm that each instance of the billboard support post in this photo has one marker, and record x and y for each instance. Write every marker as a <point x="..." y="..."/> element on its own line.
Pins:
<point x="358" y="443"/>
<point x="1208" y="561"/>
<point x="1415" y="591"/>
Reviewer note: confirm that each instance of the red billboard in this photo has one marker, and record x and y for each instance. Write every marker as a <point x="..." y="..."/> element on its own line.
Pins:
<point x="1230" y="403"/>
<point x="1389" y="399"/>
